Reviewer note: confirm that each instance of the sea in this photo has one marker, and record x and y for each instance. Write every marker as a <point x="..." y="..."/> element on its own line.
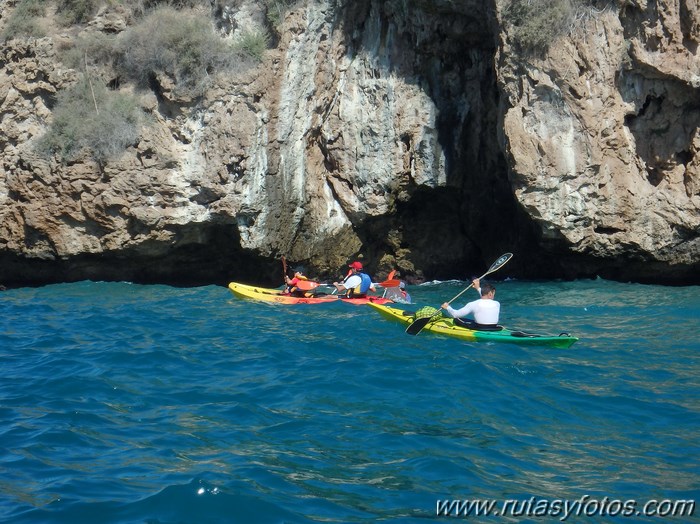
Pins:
<point x="125" y="403"/>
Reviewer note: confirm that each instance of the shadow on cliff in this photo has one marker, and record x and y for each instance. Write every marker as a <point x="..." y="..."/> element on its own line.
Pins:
<point x="447" y="50"/>
<point x="215" y="258"/>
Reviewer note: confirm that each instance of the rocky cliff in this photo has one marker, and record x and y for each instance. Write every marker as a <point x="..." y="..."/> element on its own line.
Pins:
<point x="413" y="134"/>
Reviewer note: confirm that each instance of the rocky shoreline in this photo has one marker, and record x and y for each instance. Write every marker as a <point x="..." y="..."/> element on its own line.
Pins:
<point x="420" y="139"/>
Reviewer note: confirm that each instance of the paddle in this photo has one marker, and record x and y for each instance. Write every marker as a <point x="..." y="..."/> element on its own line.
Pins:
<point x="390" y="280"/>
<point x="389" y="284"/>
<point x="417" y="325"/>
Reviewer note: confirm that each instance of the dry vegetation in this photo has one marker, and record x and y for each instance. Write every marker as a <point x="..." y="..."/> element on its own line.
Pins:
<point x="171" y="42"/>
<point x="536" y="24"/>
<point x="90" y="116"/>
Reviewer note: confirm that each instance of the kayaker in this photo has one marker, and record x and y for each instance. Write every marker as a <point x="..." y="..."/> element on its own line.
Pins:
<point x="485" y="310"/>
<point x="292" y="284"/>
<point x="398" y="294"/>
<point x="357" y="283"/>
<point x="404" y="293"/>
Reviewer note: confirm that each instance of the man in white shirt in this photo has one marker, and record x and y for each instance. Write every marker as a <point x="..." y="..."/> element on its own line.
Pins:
<point x="357" y="283"/>
<point x="485" y="310"/>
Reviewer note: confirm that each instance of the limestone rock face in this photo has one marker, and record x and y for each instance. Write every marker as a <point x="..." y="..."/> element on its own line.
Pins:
<point x="407" y="133"/>
<point x="602" y="138"/>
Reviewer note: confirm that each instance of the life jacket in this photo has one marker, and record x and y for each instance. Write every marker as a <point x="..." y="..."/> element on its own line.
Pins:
<point x="292" y="289"/>
<point x="361" y="290"/>
<point x="364" y="285"/>
<point x="366" y="282"/>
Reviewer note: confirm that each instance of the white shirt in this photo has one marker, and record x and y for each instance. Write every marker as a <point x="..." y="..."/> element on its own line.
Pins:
<point x="352" y="281"/>
<point x="485" y="311"/>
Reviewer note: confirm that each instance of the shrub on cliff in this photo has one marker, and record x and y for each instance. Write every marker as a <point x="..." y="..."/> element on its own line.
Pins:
<point x="254" y="43"/>
<point x="180" y="44"/>
<point x="88" y="116"/>
<point x="24" y="20"/>
<point x="94" y="49"/>
<point x="536" y="23"/>
<point x="76" y="11"/>
<point x="277" y="9"/>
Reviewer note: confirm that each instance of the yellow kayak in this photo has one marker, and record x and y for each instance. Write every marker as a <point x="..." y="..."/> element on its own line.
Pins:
<point x="275" y="295"/>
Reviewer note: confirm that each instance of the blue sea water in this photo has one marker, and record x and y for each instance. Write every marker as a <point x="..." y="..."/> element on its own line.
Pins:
<point x="122" y="403"/>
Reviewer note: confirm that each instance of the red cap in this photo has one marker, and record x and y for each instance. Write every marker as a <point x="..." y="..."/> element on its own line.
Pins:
<point x="356" y="265"/>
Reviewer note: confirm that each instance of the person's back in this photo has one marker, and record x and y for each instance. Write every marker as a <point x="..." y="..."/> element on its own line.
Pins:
<point x="365" y="284"/>
<point x="485" y="310"/>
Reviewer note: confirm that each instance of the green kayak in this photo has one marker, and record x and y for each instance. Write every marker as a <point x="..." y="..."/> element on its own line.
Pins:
<point x="447" y="326"/>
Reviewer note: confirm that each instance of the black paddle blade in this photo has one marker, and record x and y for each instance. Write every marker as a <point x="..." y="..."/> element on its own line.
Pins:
<point x="417" y="325"/>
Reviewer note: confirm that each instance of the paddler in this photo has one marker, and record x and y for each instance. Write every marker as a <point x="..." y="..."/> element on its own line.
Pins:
<point x="485" y="310"/>
<point x="357" y="283"/>
<point x="292" y="284"/>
